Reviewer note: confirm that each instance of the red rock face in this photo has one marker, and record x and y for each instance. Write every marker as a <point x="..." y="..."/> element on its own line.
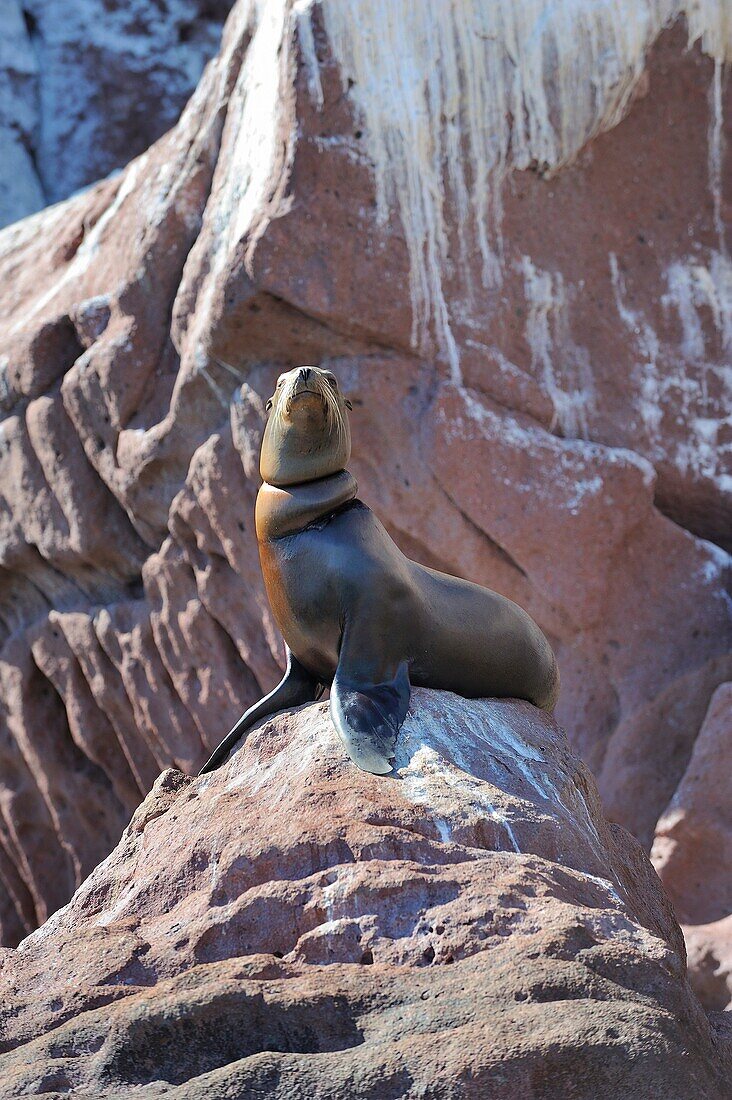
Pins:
<point x="563" y="449"/>
<point x="291" y="925"/>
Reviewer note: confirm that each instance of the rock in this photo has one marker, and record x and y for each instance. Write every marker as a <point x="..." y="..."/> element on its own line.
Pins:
<point x="709" y="948"/>
<point x="692" y="853"/>
<point x="21" y="192"/>
<point x="290" y="925"/>
<point x="692" y="849"/>
<point x="536" y="365"/>
<point x="89" y="85"/>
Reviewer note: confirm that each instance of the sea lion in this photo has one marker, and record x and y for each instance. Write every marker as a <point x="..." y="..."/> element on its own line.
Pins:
<point x="355" y="613"/>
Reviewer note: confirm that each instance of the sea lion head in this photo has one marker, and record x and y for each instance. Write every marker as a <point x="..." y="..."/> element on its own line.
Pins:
<point x="307" y="434"/>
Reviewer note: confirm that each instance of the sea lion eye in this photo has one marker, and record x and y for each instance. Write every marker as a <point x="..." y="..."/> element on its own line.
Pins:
<point x="268" y="406"/>
<point x="332" y="382"/>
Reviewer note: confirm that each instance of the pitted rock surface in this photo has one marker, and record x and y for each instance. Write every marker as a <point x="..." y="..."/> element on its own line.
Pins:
<point x="292" y="926"/>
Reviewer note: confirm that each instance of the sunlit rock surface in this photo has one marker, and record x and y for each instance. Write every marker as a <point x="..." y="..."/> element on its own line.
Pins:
<point x="292" y="926"/>
<point x="538" y="396"/>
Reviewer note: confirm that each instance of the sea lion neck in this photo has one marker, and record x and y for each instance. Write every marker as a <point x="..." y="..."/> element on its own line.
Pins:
<point x="284" y="511"/>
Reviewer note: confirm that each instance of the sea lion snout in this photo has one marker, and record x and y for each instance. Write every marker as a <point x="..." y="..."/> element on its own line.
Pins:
<point x="300" y="381"/>
<point x="304" y="394"/>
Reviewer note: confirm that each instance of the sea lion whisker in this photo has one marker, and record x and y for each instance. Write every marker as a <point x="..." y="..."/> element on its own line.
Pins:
<point x="338" y="417"/>
<point x="333" y="416"/>
<point x="330" y="417"/>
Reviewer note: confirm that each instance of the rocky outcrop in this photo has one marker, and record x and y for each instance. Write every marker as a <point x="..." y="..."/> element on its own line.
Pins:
<point x="290" y="925"/>
<point x="88" y="84"/>
<point x="20" y="189"/>
<point x="537" y="388"/>
<point x="692" y="850"/>
<point x="692" y="853"/>
<point x="709" y="956"/>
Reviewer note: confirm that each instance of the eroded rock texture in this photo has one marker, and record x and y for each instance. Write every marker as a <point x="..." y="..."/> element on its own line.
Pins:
<point x="291" y="926"/>
<point x="536" y="363"/>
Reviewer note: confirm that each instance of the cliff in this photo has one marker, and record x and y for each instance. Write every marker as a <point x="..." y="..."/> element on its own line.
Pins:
<point x="505" y="231"/>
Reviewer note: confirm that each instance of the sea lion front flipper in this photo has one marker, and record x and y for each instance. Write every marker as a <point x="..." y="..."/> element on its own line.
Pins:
<point x="367" y="716"/>
<point x="296" y="687"/>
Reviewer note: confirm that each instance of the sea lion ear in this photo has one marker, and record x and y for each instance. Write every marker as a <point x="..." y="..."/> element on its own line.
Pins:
<point x="268" y="406"/>
<point x="348" y="405"/>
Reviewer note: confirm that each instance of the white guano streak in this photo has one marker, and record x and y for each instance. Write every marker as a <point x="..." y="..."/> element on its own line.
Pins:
<point x="452" y="94"/>
<point x="569" y="386"/>
<point x="694" y="289"/>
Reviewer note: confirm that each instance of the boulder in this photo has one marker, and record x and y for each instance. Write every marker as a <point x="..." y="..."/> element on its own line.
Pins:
<point x="291" y="926"/>
<point x="533" y="330"/>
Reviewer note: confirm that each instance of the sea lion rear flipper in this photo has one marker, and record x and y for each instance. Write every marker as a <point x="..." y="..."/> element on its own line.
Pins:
<point x="296" y="687"/>
<point x="368" y="716"/>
